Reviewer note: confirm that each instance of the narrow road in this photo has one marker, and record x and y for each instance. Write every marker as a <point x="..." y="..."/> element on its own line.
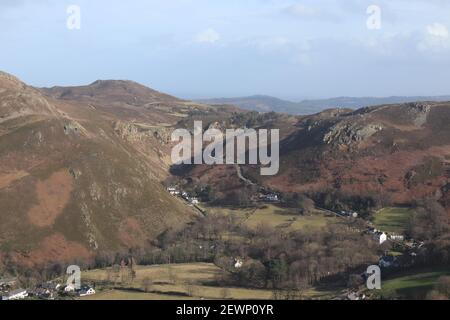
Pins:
<point x="239" y="173"/>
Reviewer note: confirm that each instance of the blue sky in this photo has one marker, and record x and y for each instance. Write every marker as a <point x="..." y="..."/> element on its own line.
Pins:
<point x="221" y="48"/>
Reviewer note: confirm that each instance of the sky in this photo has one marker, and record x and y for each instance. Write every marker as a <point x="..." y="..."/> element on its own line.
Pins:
<point x="195" y="49"/>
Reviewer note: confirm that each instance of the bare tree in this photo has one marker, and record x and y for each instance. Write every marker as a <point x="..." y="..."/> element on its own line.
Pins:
<point x="147" y="284"/>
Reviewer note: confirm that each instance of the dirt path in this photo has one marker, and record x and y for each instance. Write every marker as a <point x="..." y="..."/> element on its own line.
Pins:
<point x="239" y="173"/>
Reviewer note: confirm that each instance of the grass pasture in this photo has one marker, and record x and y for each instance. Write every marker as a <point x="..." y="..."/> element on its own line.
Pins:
<point x="411" y="286"/>
<point x="178" y="282"/>
<point x="277" y="217"/>
<point x="393" y="220"/>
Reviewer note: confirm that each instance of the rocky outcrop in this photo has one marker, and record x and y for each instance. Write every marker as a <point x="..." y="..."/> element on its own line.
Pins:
<point x="133" y="132"/>
<point x="419" y="112"/>
<point x="350" y="133"/>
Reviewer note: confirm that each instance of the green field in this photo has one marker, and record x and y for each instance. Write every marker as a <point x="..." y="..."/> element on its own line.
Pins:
<point x="277" y="217"/>
<point x="411" y="286"/>
<point x="178" y="282"/>
<point x="393" y="220"/>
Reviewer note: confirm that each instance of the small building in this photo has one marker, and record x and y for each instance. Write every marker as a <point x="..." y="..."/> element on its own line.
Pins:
<point x="397" y="237"/>
<point x="86" y="292"/>
<point x="51" y="286"/>
<point x="173" y="191"/>
<point x="69" y="288"/>
<point x="42" y="293"/>
<point x="238" y="263"/>
<point x="17" y="294"/>
<point x="353" y="296"/>
<point x="194" y="201"/>
<point x="381" y="237"/>
<point x="272" y="197"/>
<point x="350" y="214"/>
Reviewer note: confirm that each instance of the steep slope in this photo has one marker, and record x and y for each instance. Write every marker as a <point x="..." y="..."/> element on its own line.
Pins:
<point x="397" y="152"/>
<point x="70" y="185"/>
<point x="141" y="116"/>
<point x="389" y="154"/>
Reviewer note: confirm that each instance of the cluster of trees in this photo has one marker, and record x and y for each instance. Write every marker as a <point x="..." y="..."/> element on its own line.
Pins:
<point x="302" y="203"/>
<point x="431" y="224"/>
<point x="273" y="258"/>
<point x="297" y="260"/>
<point x="239" y="198"/>
<point x="32" y="276"/>
<point x="337" y="200"/>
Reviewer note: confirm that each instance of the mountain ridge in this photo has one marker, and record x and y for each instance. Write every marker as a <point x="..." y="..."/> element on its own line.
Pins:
<point x="265" y="103"/>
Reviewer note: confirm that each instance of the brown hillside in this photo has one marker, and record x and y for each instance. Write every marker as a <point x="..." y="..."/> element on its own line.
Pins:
<point x="70" y="184"/>
<point x="400" y="152"/>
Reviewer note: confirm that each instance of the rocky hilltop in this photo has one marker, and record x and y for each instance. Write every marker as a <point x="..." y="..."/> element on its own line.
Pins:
<point x="398" y="152"/>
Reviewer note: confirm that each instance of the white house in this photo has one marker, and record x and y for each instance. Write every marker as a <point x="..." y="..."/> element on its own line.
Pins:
<point x="239" y="263"/>
<point x="173" y="191"/>
<point x="270" y="197"/>
<point x="18" y="294"/>
<point x="87" y="292"/>
<point x="69" y="288"/>
<point x="194" y="201"/>
<point x="382" y="238"/>
<point x="397" y="237"/>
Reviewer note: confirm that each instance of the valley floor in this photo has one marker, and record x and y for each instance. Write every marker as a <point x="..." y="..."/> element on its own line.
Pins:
<point x="178" y="282"/>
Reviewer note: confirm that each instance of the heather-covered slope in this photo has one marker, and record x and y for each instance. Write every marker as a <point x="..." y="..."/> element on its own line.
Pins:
<point x="400" y="152"/>
<point x="70" y="184"/>
<point x="385" y="154"/>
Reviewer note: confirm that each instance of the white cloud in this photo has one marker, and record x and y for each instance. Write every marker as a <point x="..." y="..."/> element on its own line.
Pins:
<point x="438" y="30"/>
<point x="436" y="39"/>
<point x="208" y="36"/>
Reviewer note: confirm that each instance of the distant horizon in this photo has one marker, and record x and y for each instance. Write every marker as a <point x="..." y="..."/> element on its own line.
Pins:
<point x="299" y="100"/>
<point x="290" y="49"/>
<point x="195" y="97"/>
